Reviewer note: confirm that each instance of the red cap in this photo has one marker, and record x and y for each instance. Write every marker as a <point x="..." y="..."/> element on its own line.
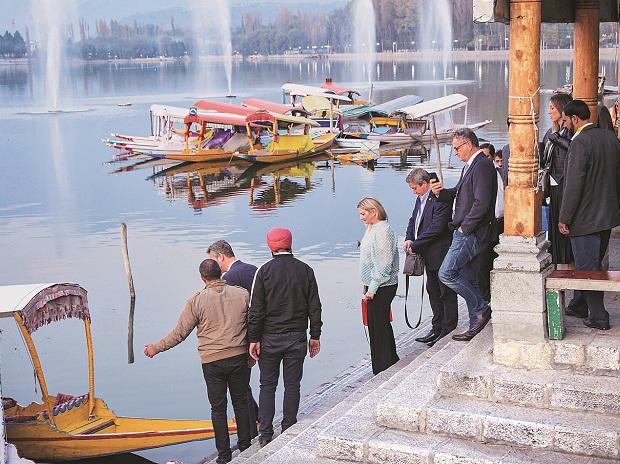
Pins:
<point x="279" y="238"/>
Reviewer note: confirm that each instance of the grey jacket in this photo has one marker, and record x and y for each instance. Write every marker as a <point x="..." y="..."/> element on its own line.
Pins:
<point x="591" y="201"/>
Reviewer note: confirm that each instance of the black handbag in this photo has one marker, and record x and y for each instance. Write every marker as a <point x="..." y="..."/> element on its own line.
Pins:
<point x="414" y="266"/>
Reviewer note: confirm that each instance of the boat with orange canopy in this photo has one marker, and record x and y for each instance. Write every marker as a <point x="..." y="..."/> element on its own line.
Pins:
<point x="66" y="427"/>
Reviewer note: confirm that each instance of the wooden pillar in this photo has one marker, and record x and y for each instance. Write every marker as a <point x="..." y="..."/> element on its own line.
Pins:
<point x="585" y="65"/>
<point x="522" y="216"/>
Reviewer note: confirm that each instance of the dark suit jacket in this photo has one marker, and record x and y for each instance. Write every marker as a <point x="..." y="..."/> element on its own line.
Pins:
<point x="240" y="274"/>
<point x="434" y="235"/>
<point x="592" y="183"/>
<point x="474" y="210"/>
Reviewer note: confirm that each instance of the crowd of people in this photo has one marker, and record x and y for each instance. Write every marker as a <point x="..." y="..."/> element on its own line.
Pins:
<point x="245" y="315"/>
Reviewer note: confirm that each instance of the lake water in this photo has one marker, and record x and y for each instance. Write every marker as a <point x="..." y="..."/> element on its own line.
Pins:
<point x="61" y="206"/>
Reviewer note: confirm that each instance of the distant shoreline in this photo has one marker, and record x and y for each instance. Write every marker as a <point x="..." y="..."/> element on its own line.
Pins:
<point x="426" y="55"/>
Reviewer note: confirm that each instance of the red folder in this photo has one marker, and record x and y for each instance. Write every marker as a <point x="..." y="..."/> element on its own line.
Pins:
<point x="365" y="312"/>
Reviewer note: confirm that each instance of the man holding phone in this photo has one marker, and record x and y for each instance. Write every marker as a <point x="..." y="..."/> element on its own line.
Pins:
<point x="428" y="234"/>
<point x="473" y="223"/>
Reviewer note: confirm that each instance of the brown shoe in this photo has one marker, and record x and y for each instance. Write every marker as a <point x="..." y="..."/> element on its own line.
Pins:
<point x="481" y="321"/>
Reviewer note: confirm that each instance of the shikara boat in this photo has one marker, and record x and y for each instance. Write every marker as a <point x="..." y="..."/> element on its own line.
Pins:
<point x="285" y="143"/>
<point x="222" y="136"/>
<point x="65" y="427"/>
<point x="412" y="123"/>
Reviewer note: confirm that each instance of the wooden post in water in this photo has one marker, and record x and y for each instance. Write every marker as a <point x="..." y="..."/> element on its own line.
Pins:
<point x="436" y="140"/>
<point x="585" y="64"/>
<point x="132" y="293"/>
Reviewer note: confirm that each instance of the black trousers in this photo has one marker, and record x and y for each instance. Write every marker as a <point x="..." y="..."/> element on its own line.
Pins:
<point x="252" y="413"/>
<point x="289" y="350"/>
<point x="443" y="302"/>
<point x="589" y="251"/>
<point x="382" y="343"/>
<point x="233" y="375"/>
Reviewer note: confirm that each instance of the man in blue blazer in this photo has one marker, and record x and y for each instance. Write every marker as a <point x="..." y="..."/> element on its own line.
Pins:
<point x="428" y="235"/>
<point x="473" y="223"/>
<point x="236" y="272"/>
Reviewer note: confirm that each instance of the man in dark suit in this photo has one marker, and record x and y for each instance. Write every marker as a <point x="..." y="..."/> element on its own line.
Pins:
<point x="428" y="235"/>
<point x="236" y="272"/>
<point x="591" y="204"/>
<point x="473" y="223"/>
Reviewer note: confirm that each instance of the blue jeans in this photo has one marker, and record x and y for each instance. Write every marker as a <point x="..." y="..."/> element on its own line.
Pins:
<point x="459" y="271"/>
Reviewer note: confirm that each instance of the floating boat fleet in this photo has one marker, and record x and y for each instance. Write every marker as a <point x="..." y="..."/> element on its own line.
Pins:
<point x="330" y="117"/>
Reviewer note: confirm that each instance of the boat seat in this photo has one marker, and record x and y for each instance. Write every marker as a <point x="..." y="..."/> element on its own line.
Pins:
<point x="69" y="404"/>
<point x="236" y="142"/>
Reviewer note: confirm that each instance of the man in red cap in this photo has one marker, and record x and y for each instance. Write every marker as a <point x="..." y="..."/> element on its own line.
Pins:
<point x="285" y="296"/>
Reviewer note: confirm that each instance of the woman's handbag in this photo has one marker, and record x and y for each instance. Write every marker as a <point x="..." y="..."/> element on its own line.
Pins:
<point x="414" y="266"/>
<point x="365" y="312"/>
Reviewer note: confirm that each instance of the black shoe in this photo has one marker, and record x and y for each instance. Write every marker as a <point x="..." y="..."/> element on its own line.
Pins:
<point x="481" y="322"/>
<point x="596" y="325"/>
<point x="223" y="460"/>
<point x="263" y="441"/>
<point x="569" y="312"/>
<point x="441" y="335"/>
<point x="429" y="337"/>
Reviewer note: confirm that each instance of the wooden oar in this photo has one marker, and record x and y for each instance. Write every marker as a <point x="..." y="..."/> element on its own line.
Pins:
<point x="132" y="293"/>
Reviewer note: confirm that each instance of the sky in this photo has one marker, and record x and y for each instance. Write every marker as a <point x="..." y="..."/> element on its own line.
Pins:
<point x="20" y="13"/>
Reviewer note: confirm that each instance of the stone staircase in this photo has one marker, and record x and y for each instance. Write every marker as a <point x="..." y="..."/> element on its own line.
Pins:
<point x="459" y="407"/>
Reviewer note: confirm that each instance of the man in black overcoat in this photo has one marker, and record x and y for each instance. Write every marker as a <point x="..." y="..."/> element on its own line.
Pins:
<point x="590" y="205"/>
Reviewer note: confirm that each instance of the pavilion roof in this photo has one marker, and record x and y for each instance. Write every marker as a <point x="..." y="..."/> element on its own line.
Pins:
<point x="553" y="11"/>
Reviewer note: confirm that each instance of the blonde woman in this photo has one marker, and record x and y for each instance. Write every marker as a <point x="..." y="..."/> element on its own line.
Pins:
<point x="379" y="276"/>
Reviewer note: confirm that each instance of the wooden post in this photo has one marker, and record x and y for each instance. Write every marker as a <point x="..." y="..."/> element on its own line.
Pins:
<point x="436" y="140"/>
<point x="585" y="64"/>
<point x="91" y="368"/>
<point x="132" y="293"/>
<point x="522" y="203"/>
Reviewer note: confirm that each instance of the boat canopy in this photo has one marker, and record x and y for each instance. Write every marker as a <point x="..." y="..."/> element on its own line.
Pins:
<point x="338" y="89"/>
<point x="386" y="108"/>
<point x="305" y="90"/>
<point x="356" y="111"/>
<point x="265" y="116"/>
<point x="222" y="107"/>
<point x="221" y="119"/>
<point x="41" y="304"/>
<point x="436" y="106"/>
<point x="258" y="104"/>
<point x="173" y="112"/>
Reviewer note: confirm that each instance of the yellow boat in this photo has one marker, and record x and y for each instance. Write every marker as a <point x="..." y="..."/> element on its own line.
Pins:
<point x="66" y="427"/>
<point x="285" y="145"/>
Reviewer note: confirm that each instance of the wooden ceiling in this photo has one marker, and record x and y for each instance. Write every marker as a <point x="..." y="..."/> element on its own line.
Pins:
<point x="553" y="11"/>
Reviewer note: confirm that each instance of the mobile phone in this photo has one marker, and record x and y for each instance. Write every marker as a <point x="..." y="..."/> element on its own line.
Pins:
<point x="433" y="176"/>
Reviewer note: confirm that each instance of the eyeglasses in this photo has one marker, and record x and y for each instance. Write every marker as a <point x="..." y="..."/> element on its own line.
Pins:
<point x="456" y="149"/>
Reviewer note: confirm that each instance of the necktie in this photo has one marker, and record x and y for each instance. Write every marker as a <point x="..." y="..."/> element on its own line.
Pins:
<point x="418" y="216"/>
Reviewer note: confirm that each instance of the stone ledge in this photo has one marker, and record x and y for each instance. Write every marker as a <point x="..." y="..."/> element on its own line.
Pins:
<point x="595" y="435"/>
<point x="471" y="373"/>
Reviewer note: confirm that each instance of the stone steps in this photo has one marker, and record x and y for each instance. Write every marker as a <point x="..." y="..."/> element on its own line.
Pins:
<point x="297" y="444"/>
<point x="471" y="373"/>
<point x="564" y="432"/>
<point x="395" y="447"/>
<point x="361" y="437"/>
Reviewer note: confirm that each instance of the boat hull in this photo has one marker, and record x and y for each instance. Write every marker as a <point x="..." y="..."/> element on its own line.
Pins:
<point x="443" y="135"/>
<point x="76" y="436"/>
<point x="321" y="143"/>
<point x="358" y="144"/>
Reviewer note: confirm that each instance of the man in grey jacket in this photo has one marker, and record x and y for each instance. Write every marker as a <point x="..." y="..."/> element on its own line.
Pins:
<point x="591" y="204"/>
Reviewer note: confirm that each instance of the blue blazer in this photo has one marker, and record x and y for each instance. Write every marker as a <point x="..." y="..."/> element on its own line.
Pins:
<point x="475" y="192"/>
<point x="434" y="235"/>
<point x="240" y="274"/>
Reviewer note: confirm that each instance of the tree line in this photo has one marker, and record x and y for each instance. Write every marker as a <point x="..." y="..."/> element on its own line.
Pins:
<point x="398" y="27"/>
<point x="12" y="45"/>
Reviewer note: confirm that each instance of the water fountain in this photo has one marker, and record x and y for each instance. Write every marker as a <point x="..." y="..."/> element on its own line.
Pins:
<point x="52" y="39"/>
<point x="223" y="16"/>
<point x="436" y="31"/>
<point x="212" y="37"/>
<point x="364" y="37"/>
